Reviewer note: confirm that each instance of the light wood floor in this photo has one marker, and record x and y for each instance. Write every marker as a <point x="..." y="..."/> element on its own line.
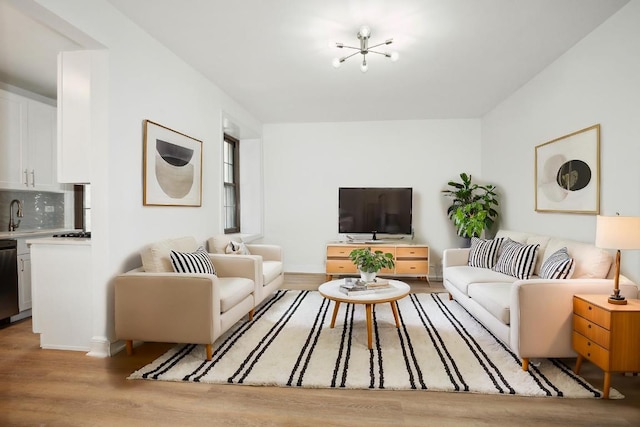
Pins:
<point x="59" y="388"/>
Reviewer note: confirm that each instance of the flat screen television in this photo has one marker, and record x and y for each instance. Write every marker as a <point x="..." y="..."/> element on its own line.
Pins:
<point x="385" y="210"/>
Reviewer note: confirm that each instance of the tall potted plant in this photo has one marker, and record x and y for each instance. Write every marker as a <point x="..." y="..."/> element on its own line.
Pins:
<point x="370" y="262"/>
<point x="473" y="206"/>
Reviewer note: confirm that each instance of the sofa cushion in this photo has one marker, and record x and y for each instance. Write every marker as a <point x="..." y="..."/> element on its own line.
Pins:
<point x="271" y="270"/>
<point x="192" y="262"/>
<point x="155" y="257"/>
<point x="589" y="261"/>
<point x="559" y="265"/>
<point x="516" y="259"/>
<point x="233" y="290"/>
<point x="461" y="276"/>
<point x="493" y="297"/>
<point x="484" y="253"/>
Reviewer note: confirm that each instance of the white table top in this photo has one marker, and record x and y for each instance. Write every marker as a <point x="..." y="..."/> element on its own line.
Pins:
<point x="331" y="290"/>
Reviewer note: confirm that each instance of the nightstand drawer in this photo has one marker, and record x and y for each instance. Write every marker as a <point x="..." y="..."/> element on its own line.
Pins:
<point x="339" y="266"/>
<point x="592" y="351"/>
<point x="592" y="331"/>
<point x="592" y="312"/>
<point x="412" y="252"/>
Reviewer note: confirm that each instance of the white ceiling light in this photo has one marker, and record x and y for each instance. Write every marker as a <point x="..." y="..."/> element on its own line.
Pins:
<point x="364" y="49"/>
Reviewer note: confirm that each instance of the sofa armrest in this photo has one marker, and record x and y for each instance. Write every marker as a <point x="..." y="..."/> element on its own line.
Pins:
<point x="455" y="257"/>
<point x="167" y="307"/>
<point x="267" y="252"/>
<point x="232" y="265"/>
<point x="542" y="311"/>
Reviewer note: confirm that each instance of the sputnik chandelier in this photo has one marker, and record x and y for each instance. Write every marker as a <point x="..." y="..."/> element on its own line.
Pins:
<point x="364" y="49"/>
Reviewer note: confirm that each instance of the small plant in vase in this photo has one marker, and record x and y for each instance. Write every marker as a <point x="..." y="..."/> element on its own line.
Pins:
<point x="371" y="262"/>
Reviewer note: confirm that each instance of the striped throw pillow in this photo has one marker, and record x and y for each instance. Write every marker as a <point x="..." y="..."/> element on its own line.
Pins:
<point x="484" y="253"/>
<point x="192" y="262"/>
<point x="559" y="265"/>
<point x="517" y="259"/>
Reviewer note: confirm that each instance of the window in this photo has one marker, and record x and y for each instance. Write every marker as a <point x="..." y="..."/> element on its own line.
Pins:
<point x="231" y="166"/>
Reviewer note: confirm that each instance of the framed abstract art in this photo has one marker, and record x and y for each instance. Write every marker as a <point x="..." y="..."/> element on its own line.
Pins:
<point x="567" y="173"/>
<point x="172" y="167"/>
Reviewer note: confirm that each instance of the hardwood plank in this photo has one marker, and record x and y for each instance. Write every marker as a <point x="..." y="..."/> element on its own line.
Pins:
<point x="63" y="388"/>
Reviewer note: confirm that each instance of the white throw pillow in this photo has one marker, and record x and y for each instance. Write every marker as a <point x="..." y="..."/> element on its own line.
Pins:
<point x="192" y="262"/>
<point x="237" y="248"/>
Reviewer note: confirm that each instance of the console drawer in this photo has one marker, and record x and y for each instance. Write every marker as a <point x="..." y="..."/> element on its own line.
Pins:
<point x="592" y="351"/>
<point x="412" y="252"/>
<point x="340" y="266"/>
<point x="412" y="267"/>
<point x="339" y="251"/>
<point x="591" y="331"/>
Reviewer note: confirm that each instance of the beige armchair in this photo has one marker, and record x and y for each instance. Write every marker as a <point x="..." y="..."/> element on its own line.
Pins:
<point x="152" y="303"/>
<point x="267" y="261"/>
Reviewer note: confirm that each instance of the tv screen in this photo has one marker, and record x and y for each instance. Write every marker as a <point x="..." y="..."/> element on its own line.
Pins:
<point x="375" y="210"/>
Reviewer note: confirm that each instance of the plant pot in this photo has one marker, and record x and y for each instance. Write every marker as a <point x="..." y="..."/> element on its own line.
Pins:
<point x="368" y="277"/>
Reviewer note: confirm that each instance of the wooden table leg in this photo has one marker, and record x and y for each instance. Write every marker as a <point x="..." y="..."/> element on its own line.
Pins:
<point x="335" y="313"/>
<point x="576" y="370"/>
<point x="607" y="385"/>
<point x="394" y="308"/>
<point x="369" y="325"/>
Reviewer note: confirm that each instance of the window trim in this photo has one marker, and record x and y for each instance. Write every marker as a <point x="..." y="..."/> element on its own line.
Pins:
<point x="235" y="185"/>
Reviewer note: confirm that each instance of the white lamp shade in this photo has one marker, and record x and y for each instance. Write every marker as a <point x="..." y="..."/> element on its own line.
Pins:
<point x="618" y="232"/>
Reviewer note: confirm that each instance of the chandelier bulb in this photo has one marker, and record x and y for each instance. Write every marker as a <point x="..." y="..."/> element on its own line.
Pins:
<point x="364" y="67"/>
<point x="394" y="56"/>
<point x="336" y="62"/>
<point x="365" y="31"/>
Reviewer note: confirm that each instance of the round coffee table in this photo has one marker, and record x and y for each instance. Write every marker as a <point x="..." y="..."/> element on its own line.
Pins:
<point x="331" y="290"/>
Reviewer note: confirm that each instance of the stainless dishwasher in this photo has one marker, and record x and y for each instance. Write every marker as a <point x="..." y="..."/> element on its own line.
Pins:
<point x="8" y="279"/>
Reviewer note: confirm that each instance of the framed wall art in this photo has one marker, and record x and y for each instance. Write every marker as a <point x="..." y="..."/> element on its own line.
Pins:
<point x="172" y="167"/>
<point x="567" y="173"/>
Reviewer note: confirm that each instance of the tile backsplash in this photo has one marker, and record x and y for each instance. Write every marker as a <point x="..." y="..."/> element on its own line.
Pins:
<point x="42" y="210"/>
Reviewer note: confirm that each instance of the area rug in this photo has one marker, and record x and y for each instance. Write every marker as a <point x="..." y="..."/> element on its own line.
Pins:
<point x="438" y="347"/>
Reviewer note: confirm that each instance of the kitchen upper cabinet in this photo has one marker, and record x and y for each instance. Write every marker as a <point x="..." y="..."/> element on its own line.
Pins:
<point x="27" y="144"/>
<point x="82" y="107"/>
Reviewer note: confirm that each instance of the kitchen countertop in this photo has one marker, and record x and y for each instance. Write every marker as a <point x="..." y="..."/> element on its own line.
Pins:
<point x="21" y="234"/>
<point x="78" y="241"/>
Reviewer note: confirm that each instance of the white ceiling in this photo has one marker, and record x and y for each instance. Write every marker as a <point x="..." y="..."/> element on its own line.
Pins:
<point x="458" y="58"/>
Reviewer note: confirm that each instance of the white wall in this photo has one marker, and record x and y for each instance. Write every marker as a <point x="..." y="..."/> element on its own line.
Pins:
<point x="145" y="81"/>
<point x="306" y="163"/>
<point x="597" y="81"/>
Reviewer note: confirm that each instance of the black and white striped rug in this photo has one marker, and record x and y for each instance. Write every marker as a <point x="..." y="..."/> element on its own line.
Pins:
<point x="439" y="347"/>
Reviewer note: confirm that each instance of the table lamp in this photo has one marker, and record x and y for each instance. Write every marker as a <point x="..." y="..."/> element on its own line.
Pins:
<point x="617" y="232"/>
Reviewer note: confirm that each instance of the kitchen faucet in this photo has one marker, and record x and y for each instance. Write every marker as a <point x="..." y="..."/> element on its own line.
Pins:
<point x="12" y="224"/>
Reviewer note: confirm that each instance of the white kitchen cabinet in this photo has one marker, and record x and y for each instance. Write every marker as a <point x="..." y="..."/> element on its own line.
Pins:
<point x="27" y="144"/>
<point x="24" y="281"/>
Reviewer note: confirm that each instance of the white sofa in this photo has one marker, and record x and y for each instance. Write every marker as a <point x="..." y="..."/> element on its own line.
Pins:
<point x="533" y="316"/>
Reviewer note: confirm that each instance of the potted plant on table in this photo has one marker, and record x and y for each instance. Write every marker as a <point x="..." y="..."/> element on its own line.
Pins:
<point x="473" y="206"/>
<point x="370" y="262"/>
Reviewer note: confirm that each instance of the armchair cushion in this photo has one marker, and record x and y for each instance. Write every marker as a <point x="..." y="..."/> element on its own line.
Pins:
<point x="233" y="290"/>
<point x="192" y="262"/>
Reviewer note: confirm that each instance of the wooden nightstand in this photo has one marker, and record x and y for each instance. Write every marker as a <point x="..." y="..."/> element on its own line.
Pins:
<point x="608" y="335"/>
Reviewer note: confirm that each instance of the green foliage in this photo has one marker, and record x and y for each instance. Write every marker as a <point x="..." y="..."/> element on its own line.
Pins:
<point x="473" y="206"/>
<point x="371" y="262"/>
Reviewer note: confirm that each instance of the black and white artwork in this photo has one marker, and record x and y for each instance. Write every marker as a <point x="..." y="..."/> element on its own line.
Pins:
<point x="172" y="167"/>
<point x="567" y="171"/>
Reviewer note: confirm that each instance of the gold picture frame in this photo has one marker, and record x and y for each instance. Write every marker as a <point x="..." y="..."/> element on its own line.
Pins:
<point x="172" y="167"/>
<point x="567" y="173"/>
